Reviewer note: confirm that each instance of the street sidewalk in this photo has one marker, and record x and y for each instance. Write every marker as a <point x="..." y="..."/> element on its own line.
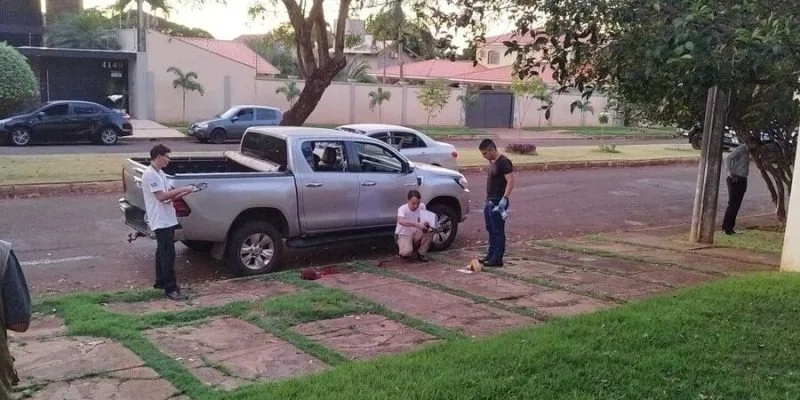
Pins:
<point x="237" y="332"/>
<point x="146" y="130"/>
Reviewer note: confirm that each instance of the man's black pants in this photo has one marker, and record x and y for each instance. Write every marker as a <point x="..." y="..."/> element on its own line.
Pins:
<point x="165" y="259"/>
<point x="737" y="186"/>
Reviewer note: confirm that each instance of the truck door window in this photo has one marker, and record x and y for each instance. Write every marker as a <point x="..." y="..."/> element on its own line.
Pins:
<point x="374" y="158"/>
<point x="265" y="148"/>
<point x="325" y="156"/>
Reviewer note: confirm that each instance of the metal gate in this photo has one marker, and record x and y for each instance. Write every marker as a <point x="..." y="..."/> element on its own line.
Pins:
<point x="492" y="109"/>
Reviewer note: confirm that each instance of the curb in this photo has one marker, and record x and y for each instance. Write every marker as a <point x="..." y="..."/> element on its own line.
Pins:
<point x="27" y="191"/>
<point x="155" y="139"/>
<point x="566" y="165"/>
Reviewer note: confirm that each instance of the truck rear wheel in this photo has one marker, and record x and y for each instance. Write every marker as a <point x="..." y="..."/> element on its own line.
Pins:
<point x="254" y="248"/>
<point x="447" y="219"/>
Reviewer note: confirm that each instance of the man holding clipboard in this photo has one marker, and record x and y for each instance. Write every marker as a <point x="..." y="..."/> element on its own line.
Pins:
<point x="415" y="227"/>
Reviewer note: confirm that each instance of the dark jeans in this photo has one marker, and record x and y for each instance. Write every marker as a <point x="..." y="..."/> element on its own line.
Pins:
<point x="165" y="259"/>
<point x="496" y="226"/>
<point x="736" y="189"/>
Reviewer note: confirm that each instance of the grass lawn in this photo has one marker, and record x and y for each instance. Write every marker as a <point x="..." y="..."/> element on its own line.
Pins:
<point x="64" y="168"/>
<point x="752" y="239"/>
<point x="609" y="130"/>
<point x="732" y="339"/>
<point x="585" y="153"/>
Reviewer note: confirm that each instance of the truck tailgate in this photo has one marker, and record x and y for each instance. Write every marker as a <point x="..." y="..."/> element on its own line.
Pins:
<point x="132" y="182"/>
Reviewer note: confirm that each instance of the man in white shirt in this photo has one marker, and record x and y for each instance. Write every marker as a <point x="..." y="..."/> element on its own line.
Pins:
<point x="161" y="218"/>
<point x="411" y="233"/>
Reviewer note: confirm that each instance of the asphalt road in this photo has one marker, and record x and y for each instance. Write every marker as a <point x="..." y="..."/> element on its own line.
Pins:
<point x="69" y="243"/>
<point x="191" y="146"/>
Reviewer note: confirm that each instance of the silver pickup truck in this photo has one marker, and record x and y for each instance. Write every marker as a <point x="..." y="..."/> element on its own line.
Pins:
<point x="296" y="187"/>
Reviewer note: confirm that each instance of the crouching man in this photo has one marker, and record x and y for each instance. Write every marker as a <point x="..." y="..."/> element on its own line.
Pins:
<point x="412" y="234"/>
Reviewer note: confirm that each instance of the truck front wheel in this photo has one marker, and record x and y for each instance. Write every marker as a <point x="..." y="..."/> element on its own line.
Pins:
<point x="254" y="248"/>
<point x="447" y="220"/>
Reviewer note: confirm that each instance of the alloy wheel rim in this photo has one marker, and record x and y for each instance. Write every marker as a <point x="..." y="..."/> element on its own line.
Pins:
<point x="108" y="136"/>
<point x="257" y="251"/>
<point x="21" y="137"/>
<point x="445" y="229"/>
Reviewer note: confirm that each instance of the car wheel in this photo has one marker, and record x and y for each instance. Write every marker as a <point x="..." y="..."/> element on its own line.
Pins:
<point x="447" y="220"/>
<point x="198" y="245"/>
<point x="255" y="248"/>
<point x="108" y="136"/>
<point x="218" y="136"/>
<point x="20" y="136"/>
<point x="696" y="140"/>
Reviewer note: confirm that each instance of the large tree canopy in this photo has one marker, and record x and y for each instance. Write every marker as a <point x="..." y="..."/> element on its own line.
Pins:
<point x="663" y="56"/>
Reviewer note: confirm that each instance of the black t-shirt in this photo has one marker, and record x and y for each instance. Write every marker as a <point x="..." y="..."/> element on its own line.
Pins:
<point x="496" y="181"/>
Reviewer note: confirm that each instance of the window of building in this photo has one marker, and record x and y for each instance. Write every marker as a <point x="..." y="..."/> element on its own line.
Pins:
<point x="494" y="57"/>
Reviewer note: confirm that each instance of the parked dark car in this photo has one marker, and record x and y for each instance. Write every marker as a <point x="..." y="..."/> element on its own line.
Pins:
<point x="231" y="124"/>
<point x="66" y="121"/>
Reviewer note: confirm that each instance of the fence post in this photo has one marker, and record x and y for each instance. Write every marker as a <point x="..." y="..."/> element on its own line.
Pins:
<point x="404" y="106"/>
<point x="352" y="102"/>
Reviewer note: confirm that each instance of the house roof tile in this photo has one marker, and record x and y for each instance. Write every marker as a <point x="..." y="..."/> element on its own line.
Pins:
<point x="431" y="69"/>
<point x="235" y="51"/>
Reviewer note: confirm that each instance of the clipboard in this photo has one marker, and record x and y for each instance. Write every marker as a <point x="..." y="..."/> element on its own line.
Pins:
<point x="429" y="217"/>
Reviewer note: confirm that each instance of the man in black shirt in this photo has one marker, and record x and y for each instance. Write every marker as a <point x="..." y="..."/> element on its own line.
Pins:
<point x="499" y="184"/>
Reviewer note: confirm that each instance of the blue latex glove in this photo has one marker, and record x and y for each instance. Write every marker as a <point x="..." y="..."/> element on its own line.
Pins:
<point x="503" y="204"/>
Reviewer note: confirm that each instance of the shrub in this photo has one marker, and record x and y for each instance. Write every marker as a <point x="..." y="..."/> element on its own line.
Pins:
<point x="521" y="148"/>
<point x="18" y="86"/>
<point x="608" y="148"/>
<point x="603" y="118"/>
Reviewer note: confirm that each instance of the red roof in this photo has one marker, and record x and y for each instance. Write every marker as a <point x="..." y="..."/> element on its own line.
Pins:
<point x="510" y="37"/>
<point x="430" y="69"/>
<point x="235" y="51"/>
<point x="501" y="75"/>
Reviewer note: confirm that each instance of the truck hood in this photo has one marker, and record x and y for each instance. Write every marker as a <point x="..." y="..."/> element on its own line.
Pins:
<point x="428" y="169"/>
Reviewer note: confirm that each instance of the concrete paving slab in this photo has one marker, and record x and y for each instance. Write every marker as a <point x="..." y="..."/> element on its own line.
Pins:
<point x="428" y="304"/>
<point x="107" y="389"/>
<point x="61" y="359"/>
<point x="42" y="326"/>
<point x="227" y="352"/>
<point x="151" y="130"/>
<point x="362" y="337"/>
<point x="210" y="295"/>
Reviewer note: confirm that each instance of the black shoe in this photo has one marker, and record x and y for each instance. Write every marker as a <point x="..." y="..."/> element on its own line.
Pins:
<point x="729" y="232"/>
<point x="176" y="295"/>
<point x="158" y="285"/>
<point x="422" y="257"/>
<point x="493" y="264"/>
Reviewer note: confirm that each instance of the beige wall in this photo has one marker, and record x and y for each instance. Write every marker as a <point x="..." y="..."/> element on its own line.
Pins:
<point x="560" y="114"/>
<point x="164" y="52"/>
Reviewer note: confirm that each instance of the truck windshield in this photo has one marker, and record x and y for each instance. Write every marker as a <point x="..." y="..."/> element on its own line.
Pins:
<point x="265" y="148"/>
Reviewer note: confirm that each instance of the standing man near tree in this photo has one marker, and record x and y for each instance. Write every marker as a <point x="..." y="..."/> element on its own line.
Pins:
<point x="499" y="184"/>
<point x="162" y="219"/>
<point x="738" y="165"/>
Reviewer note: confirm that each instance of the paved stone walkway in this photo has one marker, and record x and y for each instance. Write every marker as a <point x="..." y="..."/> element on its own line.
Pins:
<point x="540" y="281"/>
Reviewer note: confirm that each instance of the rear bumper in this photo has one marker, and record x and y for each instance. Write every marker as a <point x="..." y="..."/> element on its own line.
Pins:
<point x="134" y="217"/>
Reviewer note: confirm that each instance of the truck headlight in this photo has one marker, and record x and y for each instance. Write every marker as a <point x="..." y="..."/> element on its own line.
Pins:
<point x="462" y="182"/>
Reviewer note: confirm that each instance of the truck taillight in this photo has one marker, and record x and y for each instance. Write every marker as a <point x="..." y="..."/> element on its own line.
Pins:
<point x="181" y="208"/>
<point x="124" y="185"/>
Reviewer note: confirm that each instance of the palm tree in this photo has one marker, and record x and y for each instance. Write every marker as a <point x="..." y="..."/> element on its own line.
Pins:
<point x="187" y="82"/>
<point x="155" y="5"/>
<point x="89" y="29"/>
<point x="584" y="106"/>
<point x="356" y="71"/>
<point x="376" y="98"/>
<point x="467" y="100"/>
<point x="290" y="90"/>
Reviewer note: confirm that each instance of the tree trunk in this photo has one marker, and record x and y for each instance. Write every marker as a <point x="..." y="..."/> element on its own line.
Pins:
<point x="315" y="86"/>
<point x="184" y="106"/>
<point x="380" y="114"/>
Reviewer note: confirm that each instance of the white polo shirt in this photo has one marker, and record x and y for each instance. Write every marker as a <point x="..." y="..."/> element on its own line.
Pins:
<point x="408" y="215"/>
<point x="159" y="215"/>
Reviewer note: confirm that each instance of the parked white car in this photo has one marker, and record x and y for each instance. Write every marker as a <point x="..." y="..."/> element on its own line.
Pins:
<point x="415" y="145"/>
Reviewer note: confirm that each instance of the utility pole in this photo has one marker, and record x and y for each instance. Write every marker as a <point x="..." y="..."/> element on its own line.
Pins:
<point x="708" y="174"/>
<point x="141" y="32"/>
